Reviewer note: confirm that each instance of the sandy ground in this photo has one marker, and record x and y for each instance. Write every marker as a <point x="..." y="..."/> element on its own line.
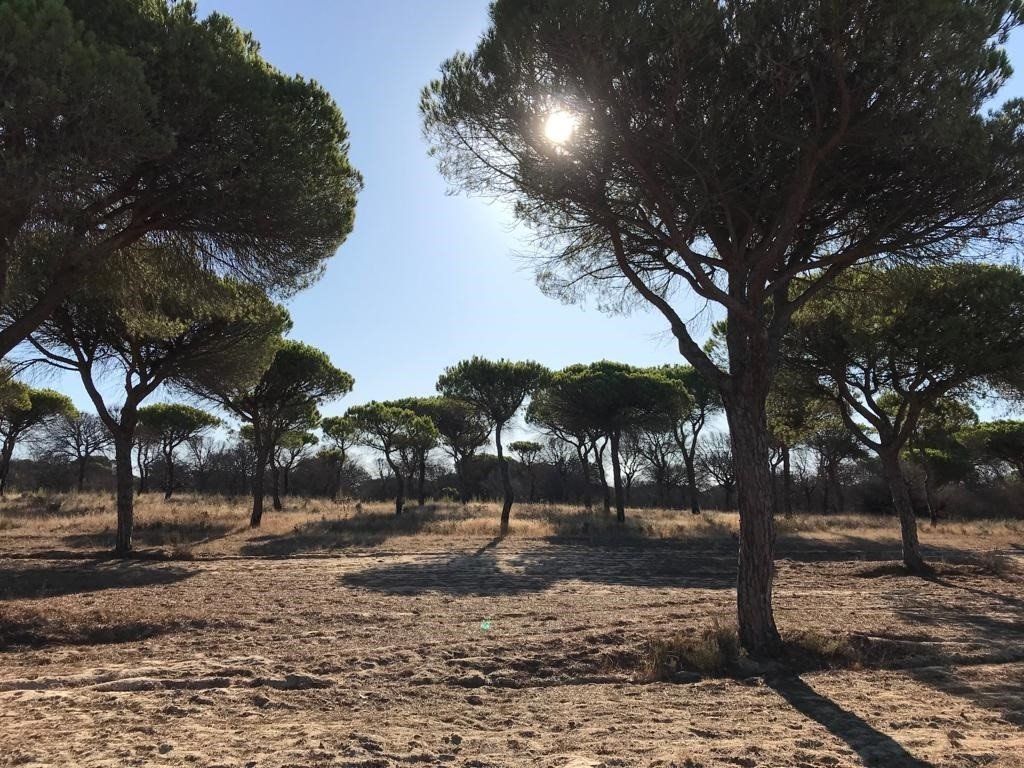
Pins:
<point x="466" y="651"/>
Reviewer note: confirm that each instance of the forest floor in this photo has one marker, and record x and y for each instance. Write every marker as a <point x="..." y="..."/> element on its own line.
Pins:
<point x="336" y="637"/>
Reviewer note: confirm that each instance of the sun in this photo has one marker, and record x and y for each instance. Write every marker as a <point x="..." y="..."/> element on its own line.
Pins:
<point x="559" y="126"/>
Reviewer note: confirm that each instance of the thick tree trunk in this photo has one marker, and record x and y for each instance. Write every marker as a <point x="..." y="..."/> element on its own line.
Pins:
<point x="892" y="469"/>
<point x="460" y="477"/>
<point x="506" y="482"/>
<point x="81" y="473"/>
<point x="5" y="464"/>
<point x="125" y="492"/>
<point x="620" y="504"/>
<point x="750" y="440"/>
<point x="691" y="483"/>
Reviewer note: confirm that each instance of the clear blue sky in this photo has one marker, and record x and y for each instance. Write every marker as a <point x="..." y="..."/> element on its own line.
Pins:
<point x="426" y="279"/>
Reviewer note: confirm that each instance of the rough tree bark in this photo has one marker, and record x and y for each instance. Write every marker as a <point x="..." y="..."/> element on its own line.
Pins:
<point x="123" y="439"/>
<point x="748" y="428"/>
<point x="892" y="469"/>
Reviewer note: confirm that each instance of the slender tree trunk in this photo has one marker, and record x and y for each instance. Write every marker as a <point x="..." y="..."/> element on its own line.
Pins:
<point x="421" y="491"/>
<point x="258" y="480"/>
<point x="506" y="482"/>
<point x="603" y="477"/>
<point x="588" y="500"/>
<point x="275" y="485"/>
<point x="787" y="483"/>
<point x="773" y="470"/>
<point x="125" y="492"/>
<point x="826" y="487"/>
<point x="286" y="480"/>
<point x="892" y="469"/>
<point x="929" y="491"/>
<point x="169" y="474"/>
<point x="620" y="504"/>
<point x="748" y="430"/>
<point x="400" y="488"/>
<point x="336" y="485"/>
<point x="691" y="482"/>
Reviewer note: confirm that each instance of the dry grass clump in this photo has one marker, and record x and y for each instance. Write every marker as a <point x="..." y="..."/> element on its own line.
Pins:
<point x="715" y="652"/>
<point x="712" y="651"/>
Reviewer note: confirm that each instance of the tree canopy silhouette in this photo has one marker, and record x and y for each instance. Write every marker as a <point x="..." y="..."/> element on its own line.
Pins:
<point x="123" y="121"/>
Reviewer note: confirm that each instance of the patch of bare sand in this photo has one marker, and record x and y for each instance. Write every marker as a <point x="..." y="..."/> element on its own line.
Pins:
<point x="518" y="653"/>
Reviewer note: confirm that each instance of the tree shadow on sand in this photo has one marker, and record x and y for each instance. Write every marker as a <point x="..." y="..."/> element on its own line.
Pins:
<point x="155" y="533"/>
<point x="875" y="749"/>
<point x="989" y="620"/>
<point x="367" y="529"/>
<point x="58" y="580"/>
<point x="490" y="572"/>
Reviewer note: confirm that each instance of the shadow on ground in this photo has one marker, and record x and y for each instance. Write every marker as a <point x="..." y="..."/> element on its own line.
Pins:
<point x="361" y="530"/>
<point x="491" y="572"/>
<point x="157" y="533"/>
<point x="59" y="580"/>
<point x="989" y="620"/>
<point x="42" y="628"/>
<point x="875" y="749"/>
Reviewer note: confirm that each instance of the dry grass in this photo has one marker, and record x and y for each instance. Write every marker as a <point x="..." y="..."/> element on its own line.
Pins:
<point x="191" y="526"/>
<point x="715" y="652"/>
